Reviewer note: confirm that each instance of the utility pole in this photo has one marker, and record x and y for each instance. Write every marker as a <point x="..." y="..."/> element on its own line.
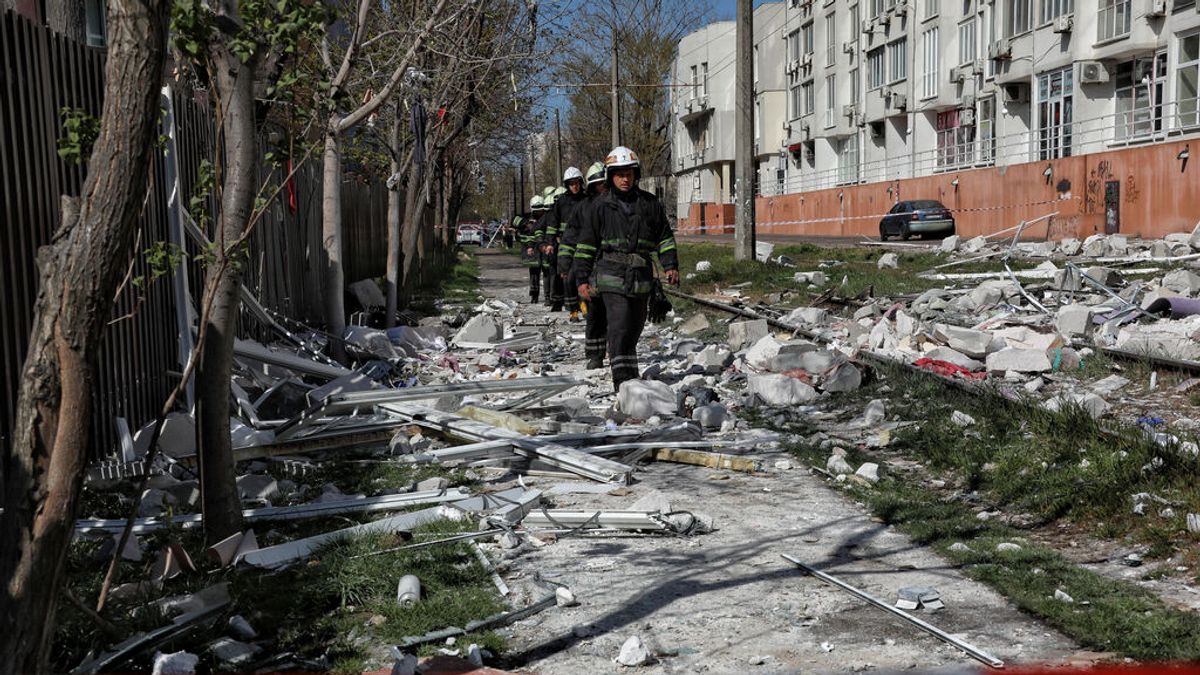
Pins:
<point x="521" y="204"/>
<point x="516" y="205"/>
<point x="558" y="143"/>
<point x="616" y="100"/>
<point x="743" y="247"/>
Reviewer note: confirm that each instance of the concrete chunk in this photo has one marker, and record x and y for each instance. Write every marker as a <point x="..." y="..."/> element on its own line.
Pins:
<point x="973" y="343"/>
<point x="743" y="333"/>
<point x="175" y="663"/>
<point x="231" y="654"/>
<point x="1182" y="281"/>
<point x="956" y="357"/>
<point x="1074" y="320"/>
<point x="888" y="261"/>
<point x="780" y="390"/>
<point x="694" y="325"/>
<point x="1018" y="360"/>
<point x="633" y="653"/>
<point x="950" y="244"/>
<point x="480" y="328"/>
<point x="806" y="316"/>
<point x="763" y="352"/>
<point x="643" y="399"/>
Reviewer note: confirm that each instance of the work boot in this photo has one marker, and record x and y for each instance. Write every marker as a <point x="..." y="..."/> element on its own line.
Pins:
<point x="595" y="362"/>
<point x="533" y="298"/>
<point x="574" y="316"/>
<point x="555" y="307"/>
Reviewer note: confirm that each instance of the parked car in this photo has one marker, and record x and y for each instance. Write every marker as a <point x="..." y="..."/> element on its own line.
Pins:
<point x="919" y="217"/>
<point x="470" y="234"/>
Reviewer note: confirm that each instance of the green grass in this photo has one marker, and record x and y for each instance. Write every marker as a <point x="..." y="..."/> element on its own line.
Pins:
<point x="1029" y="463"/>
<point x="857" y="266"/>
<point x="457" y="283"/>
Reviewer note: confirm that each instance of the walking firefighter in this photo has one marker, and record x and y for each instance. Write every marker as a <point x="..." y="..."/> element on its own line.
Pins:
<point x="618" y="237"/>
<point x="552" y="291"/>
<point x="596" y="333"/>
<point x="560" y="215"/>
<point x="530" y="238"/>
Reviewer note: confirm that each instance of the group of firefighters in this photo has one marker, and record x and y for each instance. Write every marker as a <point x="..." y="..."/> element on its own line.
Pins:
<point x="590" y="246"/>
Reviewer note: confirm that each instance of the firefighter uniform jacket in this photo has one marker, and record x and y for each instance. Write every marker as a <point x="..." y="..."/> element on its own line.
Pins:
<point x="529" y="236"/>
<point x="570" y="235"/>
<point x="563" y="215"/>
<point x="617" y="237"/>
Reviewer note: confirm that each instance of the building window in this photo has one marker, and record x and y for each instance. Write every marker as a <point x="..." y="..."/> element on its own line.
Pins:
<point x="875" y="69"/>
<point x="807" y="98"/>
<point x="1052" y="9"/>
<point x="854" y="85"/>
<point x="755" y="64"/>
<point x="704" y="79"/>
<point x="1055" y="98"/>
<point x="781" y="174"/>
<point x="830" y="100"/>
<point x="897" y="60"/>
<point x="848" y="160"/>
<point x="985" y="128"/>
<point x="793" y="43"/>
<point x="97" y="35"/>
<point x="1114" y="19"/>
<point x="966" y="41"/>
<point x="876" y="8"/>
<point x="1187" y="80"/>
<point x="758" y="122"/>
<point x="955" y="141"/>
<point x="855" y="21"/>
<point x="796" y="100"/>
<point x="806" y="38"/>
<point x="1016" y="17"/>
<point x="1139" y="86"/>
<point x="830" y="40"/>
<point x="929" y="76"/>
<point x="931" y="8"/>
<point x="695" y="83"/>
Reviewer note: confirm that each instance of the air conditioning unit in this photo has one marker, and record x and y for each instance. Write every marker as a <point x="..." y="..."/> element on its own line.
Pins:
<point x="1064" y="23"/>
<point x="957" y="75"/>
<point x="899" y="101"/>
<point x="806" y="60"/>
<point x="848" y="47"/>
<point x="901" y="9"/>
<point x="966" y="117"/>
<point x="885" y="92"/>
<point x="849" y="110"/>
<point x="1000" y="50"/>
<point x="868" y="26"/>
<point x="1092" y="72"/>
<point x="804" y="129"/>
<point x="792" y="67"/>
<point x="1157" y="9"/>
<point x="1016" y="93"/>
<point x="1143" y="69"/>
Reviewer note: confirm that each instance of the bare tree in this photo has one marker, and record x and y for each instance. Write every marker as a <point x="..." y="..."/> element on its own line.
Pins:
<point x="80" y="270"/>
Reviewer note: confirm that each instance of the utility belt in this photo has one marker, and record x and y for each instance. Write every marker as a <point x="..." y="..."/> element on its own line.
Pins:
<point x="626" y="273"/>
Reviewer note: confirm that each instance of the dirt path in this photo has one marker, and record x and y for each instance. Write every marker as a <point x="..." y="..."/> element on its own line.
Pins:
<point x="725" y="601"/>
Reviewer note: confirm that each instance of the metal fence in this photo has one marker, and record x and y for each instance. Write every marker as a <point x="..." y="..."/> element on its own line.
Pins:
<point x="41" y="73"/>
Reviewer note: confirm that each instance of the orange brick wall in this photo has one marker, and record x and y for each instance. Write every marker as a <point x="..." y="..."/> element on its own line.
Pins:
<point x="1159" y="194"/>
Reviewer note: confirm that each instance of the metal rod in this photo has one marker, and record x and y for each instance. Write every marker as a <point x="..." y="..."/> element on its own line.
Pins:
<point x="970" y="649"/>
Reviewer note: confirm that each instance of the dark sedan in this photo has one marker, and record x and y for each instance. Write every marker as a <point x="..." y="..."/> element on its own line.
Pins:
<point x="918" y="217"/>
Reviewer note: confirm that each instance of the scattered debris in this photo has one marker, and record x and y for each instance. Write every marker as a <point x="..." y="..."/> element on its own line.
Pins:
<point x="633" y="653"/>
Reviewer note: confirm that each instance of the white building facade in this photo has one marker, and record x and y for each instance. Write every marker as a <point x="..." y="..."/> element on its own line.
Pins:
<point x="862" y="91"/>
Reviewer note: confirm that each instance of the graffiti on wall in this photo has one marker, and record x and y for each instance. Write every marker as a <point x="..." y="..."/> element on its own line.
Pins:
<point x="1132" y="192"/>
<point x="1099" y="175"/>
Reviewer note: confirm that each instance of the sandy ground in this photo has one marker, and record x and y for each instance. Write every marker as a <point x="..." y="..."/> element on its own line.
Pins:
<point x="726" y="601"/>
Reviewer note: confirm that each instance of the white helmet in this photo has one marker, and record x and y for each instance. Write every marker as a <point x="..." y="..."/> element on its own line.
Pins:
<point x="621" y="157"/>
<point x="572" y="173"/>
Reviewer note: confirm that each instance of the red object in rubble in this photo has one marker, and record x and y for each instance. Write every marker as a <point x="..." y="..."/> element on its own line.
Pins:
<point x="947" y="369"/>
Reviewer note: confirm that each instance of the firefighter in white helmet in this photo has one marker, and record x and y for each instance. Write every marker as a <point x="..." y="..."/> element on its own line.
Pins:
<point x="569" y="199"/>
<point x="620" y="234"/>
<point x="596" y="333"/>
<point x="530" y="239"/>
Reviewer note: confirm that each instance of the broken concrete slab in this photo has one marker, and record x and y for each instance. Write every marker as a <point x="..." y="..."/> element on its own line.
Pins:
<point x="711" y="416"/>
<point x="1074" y="320"/>
<point x="633" y="653"/>
<point x="837" y="465"/>
<point x="713" y="359"/>
<point x="643" y="399"/>
<point x="780" y="390"/>
<point x="697" y="323"/>
<point x="479" y="328"/>
<point x="1091" y="403"/>
<point x="256" y="487"/>
<point x="744" y="333"/>
<point x="231" y="654"/>
<point x="1109" y="385"/>
<point x="888" y="261"/>
<point x="806" y="316"/>
<point x="760" y="355"/>
<point x="956" y="357"/>
<point x="1018" y="360"/>
<point x="868" y="471"/>
<point x="842" y="378"/>
<point x="973" y="343"/>
<point x="1095" y="246"/>
<point x="950" y="244"/>
<point x="175" y="663"/>
<point x="1185" y="282"/>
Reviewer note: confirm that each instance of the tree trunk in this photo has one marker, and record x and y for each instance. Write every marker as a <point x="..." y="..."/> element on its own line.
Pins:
<point x="412" y="225"/>
<point x="67" y="18"/>
<point x="234" y="80"/>
<point x="393" y="225"/>
<point x="79" y="273"/>
<point x="331" y="241"/>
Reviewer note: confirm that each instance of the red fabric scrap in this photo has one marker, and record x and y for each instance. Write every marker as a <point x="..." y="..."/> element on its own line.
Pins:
<point x="947" y="369"/>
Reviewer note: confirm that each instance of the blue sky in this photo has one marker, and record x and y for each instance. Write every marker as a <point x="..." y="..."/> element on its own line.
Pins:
<point x="723" y="10"/>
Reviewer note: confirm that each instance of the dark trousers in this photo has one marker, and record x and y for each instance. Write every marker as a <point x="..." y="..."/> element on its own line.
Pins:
<point x="535" y="281"/>
<point x="571" y="292"/>
<point x="557" y="289"/>
<point x="626" y="319"/>
<point x="595" y="341"/>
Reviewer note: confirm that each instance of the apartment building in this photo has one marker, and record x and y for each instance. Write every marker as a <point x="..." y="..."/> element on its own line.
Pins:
<point x="857" y="92"/>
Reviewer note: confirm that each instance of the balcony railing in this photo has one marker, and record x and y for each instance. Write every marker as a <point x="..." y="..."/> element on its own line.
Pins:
<point x="1146" y="124"/>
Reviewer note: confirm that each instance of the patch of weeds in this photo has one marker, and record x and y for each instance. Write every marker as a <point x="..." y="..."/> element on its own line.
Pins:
<point x="458" y="282"/>
<point x="339" y="605"/>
